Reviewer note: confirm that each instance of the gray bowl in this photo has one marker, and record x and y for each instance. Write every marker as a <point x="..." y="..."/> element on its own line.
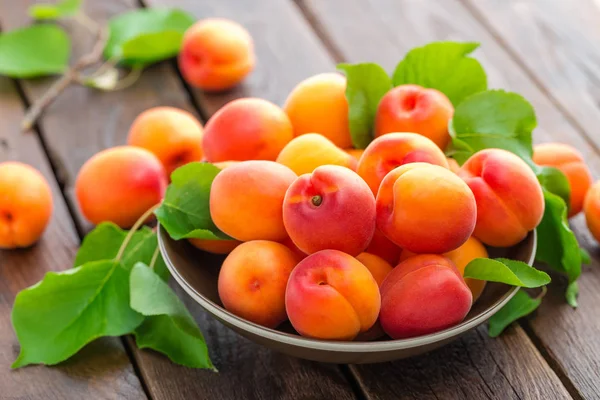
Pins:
<point x="197" y="273"/>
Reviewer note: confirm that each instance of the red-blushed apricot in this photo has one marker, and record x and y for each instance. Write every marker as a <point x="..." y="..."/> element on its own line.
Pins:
<point x="453" y="165"/>
<point x="253" y="280"/>
<point x="412" y="108"/>
<point x="571" y="163"/>
<point x="246" y="200"/>
<point x="356" y="153"/>
<point x="318" y="104"/>
<point x="591" y="209"/>
<point x="331" y="295"/>
<point x="425" y="208"/>
<point x="307" y="152"/>
<point x="383" y="247"/>
<point x="246" y="129"/>
<point x="215" y="246"/>
<point x="509" y="197"/>
<point x="25" y="205"/>
<point x="119" y="185"/>
<point x="216" y="54"/>
<point x="174" y="136"/>
<point x="292" y="246"/>
<point x="393" y="150"/>
<point x="378" y="267"/>
<point x="332" y="208"/>
<point x="422" y="295"/>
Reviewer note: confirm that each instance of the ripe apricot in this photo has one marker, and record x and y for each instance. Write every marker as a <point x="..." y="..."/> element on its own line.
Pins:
<point x="383" y="247"/>
<point x="120" y="184"/>
<point x="356" y="153"/>
<point x="318" y="104"/>
<point x="453" y="165"/>
<point x="591" y="209"/>
<point x="215" y="246"/>
<point x="246" y="129"/>
<point x="378" y="267"/>
<point x="216" y="54"/>
<point x="25" y="205"/>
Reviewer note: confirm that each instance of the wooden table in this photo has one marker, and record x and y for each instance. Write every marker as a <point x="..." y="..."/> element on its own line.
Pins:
<point x="547" y="50"/>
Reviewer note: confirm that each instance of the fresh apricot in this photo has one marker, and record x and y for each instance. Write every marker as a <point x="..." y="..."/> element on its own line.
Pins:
<point x="591" y="209"/>
<point x="378" y="267"/>
<point x="215" y="246"/>
<point x="383" y="247"/>
<point x="453" y="165"/>
<point x="356" y="153"/>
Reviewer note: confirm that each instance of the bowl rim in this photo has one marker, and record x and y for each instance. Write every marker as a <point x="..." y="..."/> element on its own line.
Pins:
<point x="333" y="345"/>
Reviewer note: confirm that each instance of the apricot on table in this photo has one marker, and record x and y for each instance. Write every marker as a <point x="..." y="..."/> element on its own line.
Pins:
<point x="332" y="208"/>
<point x="383" y="247"/>
<point x="510" y="202"/>
<point x="171" y="134"/>
<point x="331" y="295"/>
<point x="422" y="295"/>
<point x="393" y="150"/>
<point x="119" y="185"/>
<point x="253" y="279"/>
<point x="571" y="163"/>
<point x="246" y="129"/>
<point x="425" y="208"/>
<point x="307" y="152"/>
<point x="216" y="54"/>
<point x="412" y="108"/>
<point x="246" y="200"/>
<point x="378" y="267"/>
<point x="25" y="205"/>
<point x="591" y="209"/>
<point x="318" y="104"/>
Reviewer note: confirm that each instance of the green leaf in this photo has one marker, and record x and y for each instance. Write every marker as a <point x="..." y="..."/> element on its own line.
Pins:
<point x="445" y="66"/>
<point x="366" y="85"/>
<point x="65" y="8"/>
<point x="34" y="51"/>
<point x="572" y="293"/>
<point x="517" y="307"/>
<point x="494" y="119"/>
<point x="56" y="317"/>
<point x="146" y="36"/>
<point x="185" y="211"/>
<point x="553" y="180"/>
<point x="507" y="271"/>
<point x="585" y="256"/>
<point x="168" y="328"/>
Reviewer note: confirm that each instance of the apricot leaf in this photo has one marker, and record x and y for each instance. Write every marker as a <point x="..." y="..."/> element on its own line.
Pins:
<point x="37" y="50"/>
<point x="168" y="327"/>
<point x="585" y="256"/>
<point x="366" y="84"/>
<point x="553" y="180"/>
<point x="445" y="66"/>
<point x="517" y="307"/>
<point x="503" y="270"/>
<point x="65" y="8"/>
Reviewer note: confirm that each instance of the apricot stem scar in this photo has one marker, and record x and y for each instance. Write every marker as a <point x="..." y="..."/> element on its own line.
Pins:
<point x="316" y="200"/>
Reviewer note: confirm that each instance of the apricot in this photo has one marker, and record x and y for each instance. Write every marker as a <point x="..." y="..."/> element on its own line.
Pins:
<point x="307" y="152"/>
<point x="25" y="205"/>
<point x="509" y="197"/>
<point x="246" y="129"/>
<point x="412" y="108"/>
<point x="216" y="54"/>
<point x="171" y="134"/>
<point x="331" y="295"/>
<point x="246" y="200"/>
<point x="119" y="185"/>
<point x="332" y="208"/>
<point x="453" y="165"/>
<point x="425" y="208"/>
<point x="318" y="104"/>
<point x="292" y="246"/>
<point x="393" y="150"/>
<point x="215" y="246"/>
<point x="571" y="163"/>
<point x="591" y="209"/>
<point x="253" y="280"/>
<point x="383" y="247"/>
<point x="378" y="267"/>
<point x="422" y="295"/>
<point x="356" y="153"/>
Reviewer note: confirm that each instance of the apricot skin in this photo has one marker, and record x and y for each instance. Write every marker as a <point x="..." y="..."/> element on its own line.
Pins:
<point x="216" y="54"/>
<point x="25" y="205"/>
<point x="119" y="185"/>
<point x="378" y="267"/>
<point x="591" y="209"/>
<point x="331" y="295"/>
<point x="383" y="247"/>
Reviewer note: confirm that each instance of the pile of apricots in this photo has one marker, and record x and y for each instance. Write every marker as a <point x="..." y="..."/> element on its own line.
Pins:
<point x="342" y="242"/>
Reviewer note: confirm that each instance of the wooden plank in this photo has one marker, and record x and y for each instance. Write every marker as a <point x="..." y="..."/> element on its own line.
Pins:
<point x="83" y="122"/>
<point x="102" y="369"/>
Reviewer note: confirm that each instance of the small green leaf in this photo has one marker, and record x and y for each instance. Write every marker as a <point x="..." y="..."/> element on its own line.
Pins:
<point x="553" y="180"/>
<point x="366" y="84"/>
<point x="517" y="307"/>
<point x="585" y="256"/>
<point x="507" y="271"/>
<point x="56" y="317"/>
<point x="65" y="8"/>
<point x="34" y="51"/>
<point x="146" y="36"/>
<point x="185" y="211"/>
<point x="168" y="328"/>
<point x="445" y="66"/>
<point x="572" y="293"/>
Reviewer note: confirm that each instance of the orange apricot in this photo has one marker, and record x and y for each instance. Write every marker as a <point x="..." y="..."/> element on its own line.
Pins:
<point x="470" y="250"/>
<point x="591" y="209"/>
<point x="215" y="246"/>
<point x="378" y="267"/>
<point x="356" y="153"/>
<point x="383" y="247"/>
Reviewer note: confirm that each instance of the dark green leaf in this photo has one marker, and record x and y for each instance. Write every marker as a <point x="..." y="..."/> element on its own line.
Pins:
<point x="553" y="180"/>
<point x="34" y="51"/>
<point x="366" y="85"/>
<point x="572" y="293"/>
<point x="65" y="8"/>
<point x="585" y="256"/>
<point x="168" y="328"/>
<point x="517" y="307"/>
<point x="445" y="66"/>
<point x="65" y="311"/>
<point x="502" y="270"/>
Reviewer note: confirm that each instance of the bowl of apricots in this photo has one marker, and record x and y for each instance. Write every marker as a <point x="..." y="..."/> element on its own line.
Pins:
<point x="350" y="255"/>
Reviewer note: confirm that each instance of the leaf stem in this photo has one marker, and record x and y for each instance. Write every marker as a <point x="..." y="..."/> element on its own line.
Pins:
<point x="134" y="229"/>
<point x="542" y="293"/>
<point x="87" y="22"/>
<point x="154" y="258"/>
